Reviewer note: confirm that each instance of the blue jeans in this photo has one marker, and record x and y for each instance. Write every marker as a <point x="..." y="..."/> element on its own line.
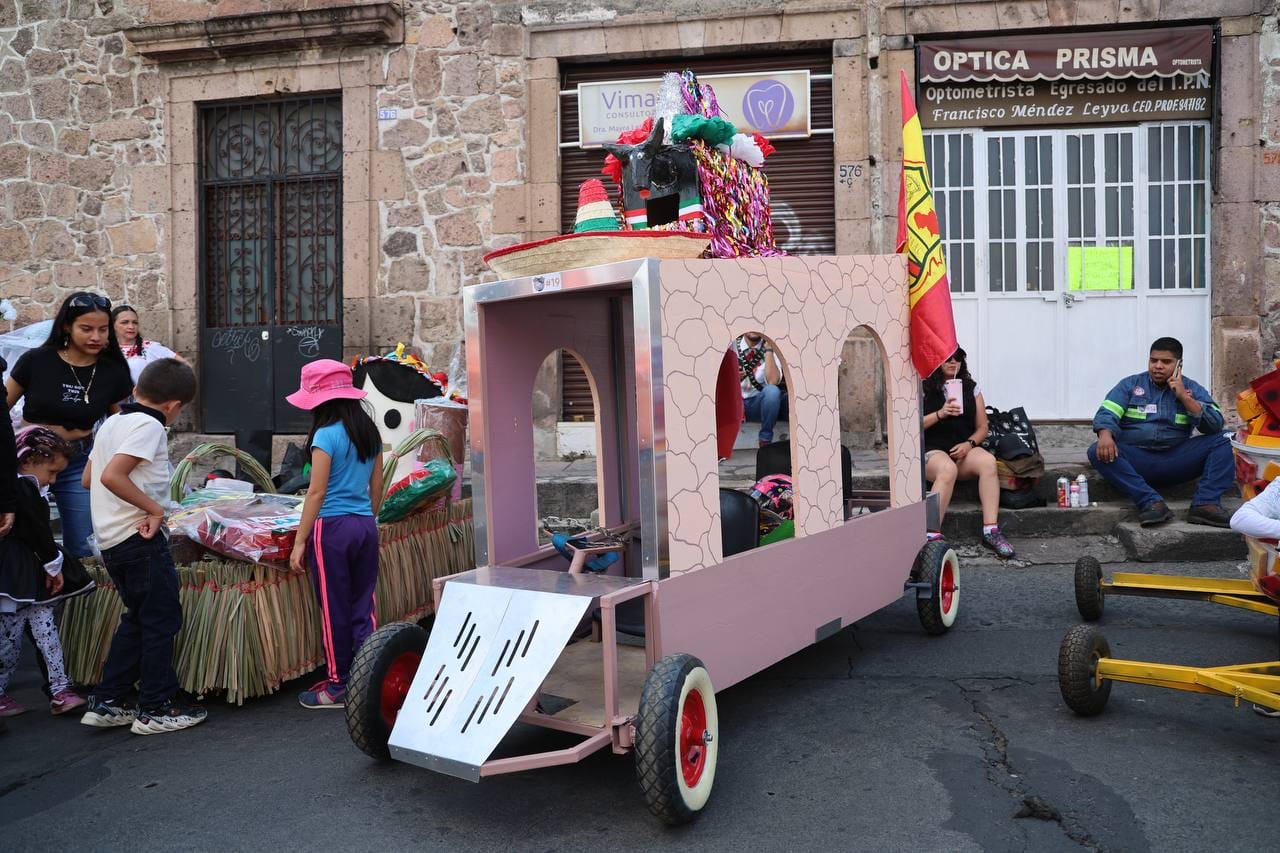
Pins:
<point x="73" y="505"/>
<point x="1138" y="472"/>
<point x="142" y="648"/>
<point x="766" y="408"/>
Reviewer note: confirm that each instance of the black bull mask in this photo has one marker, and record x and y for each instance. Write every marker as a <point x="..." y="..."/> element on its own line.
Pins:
<point x="659" y="181"/>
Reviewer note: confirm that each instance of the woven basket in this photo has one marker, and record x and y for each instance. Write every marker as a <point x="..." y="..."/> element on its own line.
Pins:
<point x="571" y="251"/>
<point x="178" y="482"/>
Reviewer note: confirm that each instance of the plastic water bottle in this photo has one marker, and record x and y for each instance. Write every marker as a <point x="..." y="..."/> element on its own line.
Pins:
<point x="1083" y="483"/>
<point x="1075" y="495"/>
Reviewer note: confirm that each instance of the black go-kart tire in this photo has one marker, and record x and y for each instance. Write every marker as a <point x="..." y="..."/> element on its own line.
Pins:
<point x="677" y="739"/>
<point x="1078" y="658"/>
<point x="380" y="678"/>
<point x="1089" y="596"/>
<point x="938" y="565"/>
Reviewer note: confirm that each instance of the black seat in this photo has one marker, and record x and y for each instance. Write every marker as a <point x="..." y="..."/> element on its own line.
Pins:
<point x="775" y="458"/>
<point x="739" y="522"/>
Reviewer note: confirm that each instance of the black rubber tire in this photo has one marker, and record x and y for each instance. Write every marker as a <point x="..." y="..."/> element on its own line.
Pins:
<point x="929" y="564"/>
<point x="1077" y="663"/>
<point x="1089" y="596"/>
<point x="369" y="732"/>
<point x="657" y="730"/>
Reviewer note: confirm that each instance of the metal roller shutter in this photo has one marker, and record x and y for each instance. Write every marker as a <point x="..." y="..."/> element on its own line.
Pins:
<point x="801" y="172"/>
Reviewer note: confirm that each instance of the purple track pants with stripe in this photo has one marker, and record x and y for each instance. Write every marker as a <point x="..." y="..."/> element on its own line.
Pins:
<point x="343" y="553"/>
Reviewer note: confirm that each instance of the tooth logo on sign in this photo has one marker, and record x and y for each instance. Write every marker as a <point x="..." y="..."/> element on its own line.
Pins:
<point x="768" y="106"/>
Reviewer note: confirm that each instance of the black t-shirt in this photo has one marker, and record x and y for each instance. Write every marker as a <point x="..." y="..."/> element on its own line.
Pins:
<point x="54" y="391"/>
<point x="949" y="432"/>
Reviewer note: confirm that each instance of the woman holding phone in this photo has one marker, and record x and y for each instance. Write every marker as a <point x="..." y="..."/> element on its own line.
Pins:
<point x="70" y="382"/>
<point x="955" y="423"/>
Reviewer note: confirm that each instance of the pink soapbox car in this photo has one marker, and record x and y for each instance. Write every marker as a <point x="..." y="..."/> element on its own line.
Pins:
<point x="693" y="605"/>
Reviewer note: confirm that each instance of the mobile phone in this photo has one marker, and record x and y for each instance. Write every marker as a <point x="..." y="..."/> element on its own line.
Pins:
<point x="1177" y="369"/>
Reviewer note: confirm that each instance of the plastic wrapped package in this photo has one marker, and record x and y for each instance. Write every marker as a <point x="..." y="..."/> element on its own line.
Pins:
<point x="448" y="417"/>
<point x="258" y="528"/>
<point x="417" y="491"/>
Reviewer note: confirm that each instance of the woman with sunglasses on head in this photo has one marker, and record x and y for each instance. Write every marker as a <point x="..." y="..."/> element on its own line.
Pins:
<point x="69" y="383"/>
<point x="137" y="351"/>
<point x="955" y="424"/>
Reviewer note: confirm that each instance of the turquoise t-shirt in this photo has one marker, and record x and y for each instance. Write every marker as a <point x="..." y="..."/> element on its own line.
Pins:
<point x="348" y="492"/>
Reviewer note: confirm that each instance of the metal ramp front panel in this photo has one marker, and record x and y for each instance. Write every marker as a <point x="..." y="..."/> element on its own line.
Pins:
<point x="489" y="651"/>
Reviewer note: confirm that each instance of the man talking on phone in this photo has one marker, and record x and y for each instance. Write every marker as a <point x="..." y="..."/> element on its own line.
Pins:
<point x="1147" y="439"/>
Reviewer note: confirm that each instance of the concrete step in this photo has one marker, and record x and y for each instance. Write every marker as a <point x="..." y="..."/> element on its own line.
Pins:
<point x="1180" y="541"/>
<point x="1110" y="532"/>
<point x="963" y="522"/>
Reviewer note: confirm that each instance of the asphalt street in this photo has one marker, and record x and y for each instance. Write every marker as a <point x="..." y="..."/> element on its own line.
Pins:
<point x="878" y="739"/>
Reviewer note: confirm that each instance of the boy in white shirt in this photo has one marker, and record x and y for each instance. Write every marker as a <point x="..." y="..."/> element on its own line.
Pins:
<point x="128" y="481"/>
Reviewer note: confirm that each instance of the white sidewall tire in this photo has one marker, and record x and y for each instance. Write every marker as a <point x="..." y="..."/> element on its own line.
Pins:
<point x="696" y="797"/>
<point x="949" y="616"/>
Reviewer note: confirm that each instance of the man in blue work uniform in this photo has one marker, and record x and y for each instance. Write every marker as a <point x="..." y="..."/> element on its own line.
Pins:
<point x="1146" y="438"/>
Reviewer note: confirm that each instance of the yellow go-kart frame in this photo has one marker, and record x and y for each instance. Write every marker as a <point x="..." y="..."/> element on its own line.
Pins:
<point x="1086" y="668"/>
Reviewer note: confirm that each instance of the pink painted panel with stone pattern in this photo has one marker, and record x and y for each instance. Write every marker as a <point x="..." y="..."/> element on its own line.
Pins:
<point x="808" y="307"/>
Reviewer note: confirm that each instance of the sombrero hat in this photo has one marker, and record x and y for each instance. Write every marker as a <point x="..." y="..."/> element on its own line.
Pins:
<point x="597" y="238"/>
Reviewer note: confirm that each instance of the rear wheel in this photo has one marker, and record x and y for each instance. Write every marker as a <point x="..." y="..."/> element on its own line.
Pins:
<point x="677" y="739"/>
<point x="1078" y="656"/>
<point x="380" y="679"/>
<point x="938" y="565"/>
<point x="1089" y="599"/>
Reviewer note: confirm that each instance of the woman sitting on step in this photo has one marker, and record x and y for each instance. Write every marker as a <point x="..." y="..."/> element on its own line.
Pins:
<point x="955" y="424"/>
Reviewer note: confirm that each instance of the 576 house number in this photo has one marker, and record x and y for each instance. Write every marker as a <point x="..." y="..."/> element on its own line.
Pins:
<point x="849" y="171"/>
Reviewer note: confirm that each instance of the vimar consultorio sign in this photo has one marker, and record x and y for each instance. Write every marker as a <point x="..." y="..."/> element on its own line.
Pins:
<point x="1067" y="79"/>
<point x="775" y="104"/>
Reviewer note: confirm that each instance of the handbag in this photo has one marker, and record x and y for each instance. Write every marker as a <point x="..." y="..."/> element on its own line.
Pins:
<point x="1010" y="434"/>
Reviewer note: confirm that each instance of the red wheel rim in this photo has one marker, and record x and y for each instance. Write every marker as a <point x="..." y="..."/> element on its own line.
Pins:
<point x="947" y="586"/>
<point x="693" y="738"/>
<point x="395" y="685"/>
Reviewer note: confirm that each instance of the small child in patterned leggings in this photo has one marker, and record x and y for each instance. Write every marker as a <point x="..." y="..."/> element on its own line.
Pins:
<point x="35" y="573"/>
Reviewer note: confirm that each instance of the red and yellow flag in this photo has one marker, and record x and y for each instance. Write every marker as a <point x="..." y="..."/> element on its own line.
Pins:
<point x="933" y="331"/>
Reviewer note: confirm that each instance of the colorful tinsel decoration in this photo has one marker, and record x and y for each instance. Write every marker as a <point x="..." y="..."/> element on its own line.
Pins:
<point x="735" y="192"/>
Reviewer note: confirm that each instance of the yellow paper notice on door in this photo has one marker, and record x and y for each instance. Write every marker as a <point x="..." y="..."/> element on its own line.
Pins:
<point x="1100" y="268"/>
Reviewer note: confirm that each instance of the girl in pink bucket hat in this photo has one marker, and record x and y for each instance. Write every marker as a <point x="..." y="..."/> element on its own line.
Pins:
<point x="338" y="534"/>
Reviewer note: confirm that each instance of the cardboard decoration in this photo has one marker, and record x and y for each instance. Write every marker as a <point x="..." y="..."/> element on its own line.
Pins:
<point x="393" y="386"/>
<point x="659" y="183"/>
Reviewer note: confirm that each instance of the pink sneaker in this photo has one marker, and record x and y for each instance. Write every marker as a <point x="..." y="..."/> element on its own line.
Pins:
<point x="10" y="707"/>
<point x="65" y="701"/>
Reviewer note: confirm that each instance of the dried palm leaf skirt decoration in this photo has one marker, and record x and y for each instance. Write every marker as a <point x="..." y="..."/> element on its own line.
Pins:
<point x="247" y="628"/>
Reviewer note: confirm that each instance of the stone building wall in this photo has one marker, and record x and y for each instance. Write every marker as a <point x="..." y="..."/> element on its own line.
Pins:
<point x="1267" y="186"/>
<point x="95" y="194"/>
<point x="97" y="173"/>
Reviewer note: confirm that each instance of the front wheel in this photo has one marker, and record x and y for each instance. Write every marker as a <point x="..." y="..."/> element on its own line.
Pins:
<point x="1078" y="656"/>
<point x="380" y="679"/>
<point x="677" y="739"/>
<point x="938" y="565"/>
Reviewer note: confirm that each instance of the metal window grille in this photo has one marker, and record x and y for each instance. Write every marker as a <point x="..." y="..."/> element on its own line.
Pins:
<point x="1177" y="206"/>
<point x="1023" y="200"/>
<point x="950" y="158"/>
<point x="271" y="201"/>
